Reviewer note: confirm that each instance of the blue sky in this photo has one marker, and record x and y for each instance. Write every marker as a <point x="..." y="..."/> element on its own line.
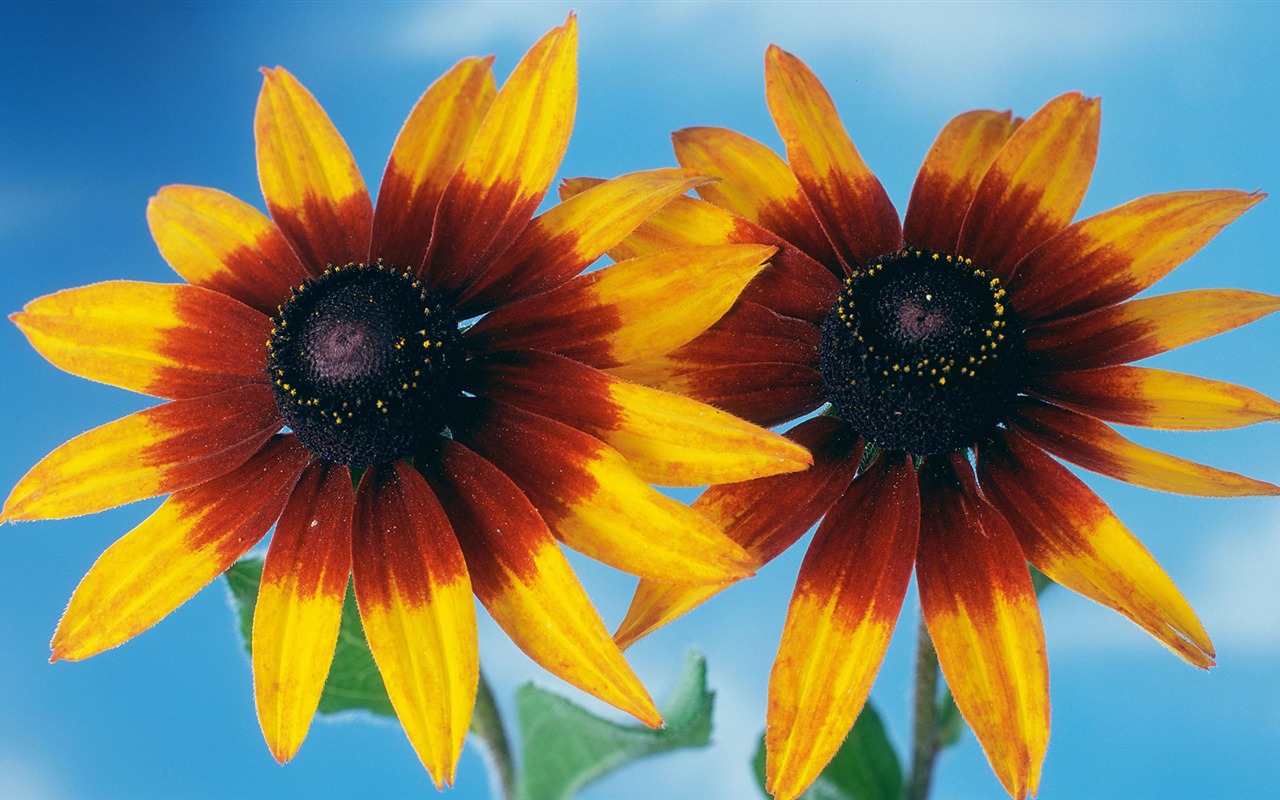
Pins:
<point x="104" y="103"/>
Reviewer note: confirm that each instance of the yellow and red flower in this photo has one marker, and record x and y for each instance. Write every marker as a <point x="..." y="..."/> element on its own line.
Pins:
<point x="954" y="353"/>
<point x="325" y="342"/>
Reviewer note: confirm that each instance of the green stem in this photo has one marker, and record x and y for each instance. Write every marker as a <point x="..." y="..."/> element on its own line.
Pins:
<point x="486" y="722"/>
<point x="925" y="740"/>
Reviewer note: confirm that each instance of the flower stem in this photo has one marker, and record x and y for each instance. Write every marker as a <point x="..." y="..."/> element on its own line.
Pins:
<point x="925" y="739"/>
<point x="486" y="722"/>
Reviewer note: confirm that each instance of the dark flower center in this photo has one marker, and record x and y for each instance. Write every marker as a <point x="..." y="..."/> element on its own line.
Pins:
<point x="921" y="353"/>
<point x="365" y="364"/>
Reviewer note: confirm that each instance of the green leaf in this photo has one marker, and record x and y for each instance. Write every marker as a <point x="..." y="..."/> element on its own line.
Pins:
<point x="865" y="767"/>
<point x="354" y="682"/>
<point x="566" y="747"/>
<point x="950" y="724"/>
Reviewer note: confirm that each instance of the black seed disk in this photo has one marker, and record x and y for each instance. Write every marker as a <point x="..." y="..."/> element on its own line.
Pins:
<point x="921" y="353"/>
<point x="365" y="364"/>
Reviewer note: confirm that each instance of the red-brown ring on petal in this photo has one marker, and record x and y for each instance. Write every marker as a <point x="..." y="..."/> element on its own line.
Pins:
<point x="475" y="224"/>
<point x="228" y="424"/>
<point x="211" y="347"/>
<point x="767" y="394"/>
<point x="325" y="234"/>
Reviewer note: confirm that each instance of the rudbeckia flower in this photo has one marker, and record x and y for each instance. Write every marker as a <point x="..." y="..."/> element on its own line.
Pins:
<point x="445" y="352"/>
<point x="954" y="354"/>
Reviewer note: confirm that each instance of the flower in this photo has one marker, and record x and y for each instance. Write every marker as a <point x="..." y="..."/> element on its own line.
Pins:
<point x="325" y="344"/>
<point x="953" y="354"/>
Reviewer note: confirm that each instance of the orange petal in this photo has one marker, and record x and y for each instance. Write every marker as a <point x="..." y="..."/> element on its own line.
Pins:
<point x="750" y="514"/>
<point x="666" y="438"/>
<point x="1035" y="184"/>
<point x="219" y="242"/>
<point x="526" y="583"/>
<point x="192" y="538"/>
<point x="156" y="451"/>
<point x="1156" y="398"/>
<point x="1069" y="534"/>
<point x="1148" y="326"/>
<point x="1093" y="445"/>
<point x="755" y="184"/>
<point x="431" y="145"/>
<point x="505" y="174"/>
<point x="841" y="617"/>
<point x="950" y="175"/>
<point x="170" y="341"/>
<point x="594" y="503"/>
<point x="981" y="610"/>
<point x="1112" y="256"/>
<point x="415" y="603"/>
<point x="631" y="311"/>
<point x="564" y="241"/>
<point x="309" y="178"/>
<point x="848" y="199"/>
<point x="299" y="609"/>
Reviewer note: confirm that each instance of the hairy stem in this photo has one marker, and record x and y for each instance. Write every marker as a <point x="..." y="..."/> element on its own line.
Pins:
<point x="926" y="741"/>
<point x="486" y="722"/>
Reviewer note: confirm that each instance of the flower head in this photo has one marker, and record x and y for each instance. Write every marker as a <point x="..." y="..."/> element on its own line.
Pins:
<point x="953" y="355"/>
<point x="444" y="352"/>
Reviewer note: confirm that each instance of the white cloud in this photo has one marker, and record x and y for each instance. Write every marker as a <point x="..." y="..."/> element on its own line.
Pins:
<point x="1237" y="592"/>
<point x="19" y="778"/>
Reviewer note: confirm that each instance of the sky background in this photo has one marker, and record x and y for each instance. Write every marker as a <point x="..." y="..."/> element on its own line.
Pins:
<point x="102" y="104"/>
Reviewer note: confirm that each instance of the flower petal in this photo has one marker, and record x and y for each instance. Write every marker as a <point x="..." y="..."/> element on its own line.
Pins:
<point x="299" y="609"/>
<point x="1156" y="398"/>
<point x="842" y="613"/>
<point x="794" y="284"/>
<point x="431" y="145"/>
<point x="755" y="184"/>
<point x="764" y="393"/>
<point x="1035" y="185"/>
<point x="415" y="603"/>
<point x="631" y="311"/>
<point x="950" y="175"/>
<point x="1069" y="534"/>
<point x="156" y="451"/>
<point x="981" y="610"/>
<point x="165" y="340"/>
<point x="192" y="538"/>
<point x="594" y="503"/>
<point x="1112" y="256"/>
<point x="1146" y="327"/>
<point x="751" y="515"/>
<point x="505" y="174"/>
<point x="666" y="438"/>
<point x="1093" y="445"/>
<point x="526" y="583"/>
<point x="309" y="178"/>
<point x="852" y="206"/>
<point x="219" y="242"/>
<point x="568" y="238"/>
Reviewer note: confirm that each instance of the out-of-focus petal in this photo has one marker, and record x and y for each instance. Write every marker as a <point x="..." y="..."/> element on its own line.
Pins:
<point x="514" y="156"/>
<point x="192" y="538"/>
<point x="852" y="206"/>
<point x="666" y="438"/>
<point x="1112" y="256"/>
<point x="755" y="184"/>
<point x="568" y="238"/>
<point x="415" y="603"/>
<point x="1069" y="534"/>
<point x="1093" y="445"/>
<point x="526" y="583"/>
<point x="299" y="608"/>
<point x="750" y="514"/>
<point x="984" y="621"/>
<point x="842" y="613"/>
<point x="431" y="145"/>
<point x="1035" y="184"/>
<point x="156" y="451"/>
<point x="950" y="175"/>
<point x="1146" y="327"/>
<point x="1156" y="398"/>
<point x="309" y="178"/>
<point x="635" y="310"/>
<point x="595" y="503"/>
<point x="219" y="242"/>
<point x="165" y="340"/>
